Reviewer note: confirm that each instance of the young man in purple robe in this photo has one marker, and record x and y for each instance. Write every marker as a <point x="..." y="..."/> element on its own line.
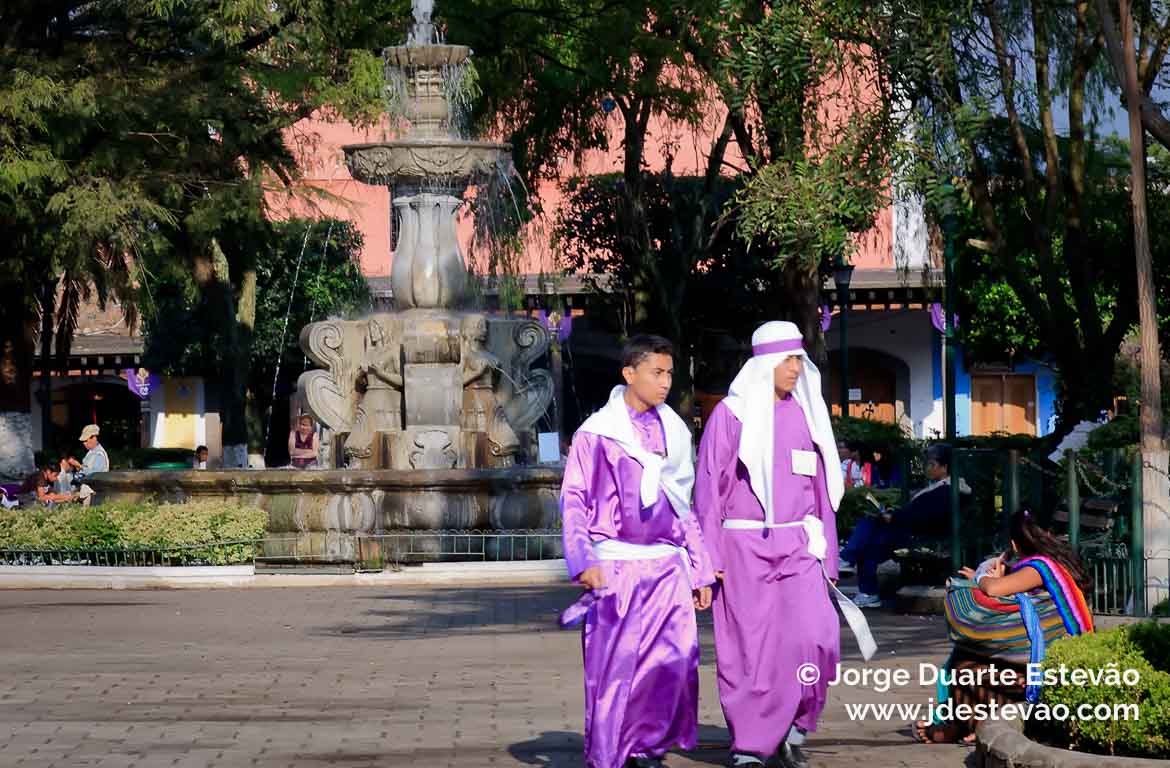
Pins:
<point x="768" y="485"/>
<point x="632" y="542"/>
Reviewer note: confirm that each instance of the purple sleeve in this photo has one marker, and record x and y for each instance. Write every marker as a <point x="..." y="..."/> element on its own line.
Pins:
<point x="577" y="504"/>
<point x="718" y="451"/>
<point x="829" y="519"/>
<point x="694" y="541"/>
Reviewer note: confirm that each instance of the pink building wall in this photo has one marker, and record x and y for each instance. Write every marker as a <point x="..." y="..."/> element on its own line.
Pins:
<point x="334" y="193"/>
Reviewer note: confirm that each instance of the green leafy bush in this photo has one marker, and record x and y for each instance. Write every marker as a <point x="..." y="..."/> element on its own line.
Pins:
<point x="1153" y="640"/>
<point x="1002" y="441"/>
<point x="1125" y="647"/>
<point x="1121" y="433"/>
<point x="872" y="434"/>
<point x="142" y="525"/>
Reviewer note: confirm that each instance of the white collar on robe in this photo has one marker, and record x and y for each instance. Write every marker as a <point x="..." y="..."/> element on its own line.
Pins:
<point x="752" y="399"/>
<point x="675" y="474"/>
<point x="963" y="487"/>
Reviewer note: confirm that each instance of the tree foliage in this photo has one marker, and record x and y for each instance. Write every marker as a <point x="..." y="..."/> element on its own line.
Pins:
<point x="310" y="272"/>
<point x="1043" y="202"/>
<point x="778" y="176"/>
<point x="156" y="130"/>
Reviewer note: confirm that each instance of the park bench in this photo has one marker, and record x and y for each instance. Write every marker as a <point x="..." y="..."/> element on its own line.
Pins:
<point x="1097" y="516"/>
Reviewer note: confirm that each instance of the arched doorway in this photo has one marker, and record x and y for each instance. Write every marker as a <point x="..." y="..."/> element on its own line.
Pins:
<point x="110" y="405"/>
<point x="881" y="381"/>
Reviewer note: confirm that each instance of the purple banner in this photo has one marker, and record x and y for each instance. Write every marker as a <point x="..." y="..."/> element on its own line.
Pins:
<point x="938" y="318"/>
<point x="561" y="325"/>
<point x="141" y="381"/>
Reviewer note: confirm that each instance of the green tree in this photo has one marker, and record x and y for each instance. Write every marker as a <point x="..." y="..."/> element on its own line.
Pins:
<point x="586" y="232"/>
<point x="556" y="75"/>
<point x="154" y="129"/>
<point x="309" y="272"/>
<point x="811" y="94"/>
<point x="560" y="77"/>
<point x="991" y="79"/>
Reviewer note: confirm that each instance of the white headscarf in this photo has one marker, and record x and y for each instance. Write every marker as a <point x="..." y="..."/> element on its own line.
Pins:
<point x="752" y="399"/>
<point x="675" y="474"/>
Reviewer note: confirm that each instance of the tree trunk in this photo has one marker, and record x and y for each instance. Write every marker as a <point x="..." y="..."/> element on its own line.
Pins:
<point x="1155" y="491"/>
<point x="238" y="356"/>
<point x="1085" y="390"/>
<point x="237" y="312"/>
<point x="801" y="305"/>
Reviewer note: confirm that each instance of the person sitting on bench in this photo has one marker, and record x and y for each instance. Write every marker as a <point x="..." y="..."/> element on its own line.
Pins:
<point x="927" y="515"/>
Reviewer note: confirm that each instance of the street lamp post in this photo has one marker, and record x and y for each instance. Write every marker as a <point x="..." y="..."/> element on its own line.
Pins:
<point x="842" y="275"/>
<point x="950" y="225"/>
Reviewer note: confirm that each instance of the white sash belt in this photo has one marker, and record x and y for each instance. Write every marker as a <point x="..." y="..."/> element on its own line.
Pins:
<point x="613" y="549"/>
<point x="817" y="546"/>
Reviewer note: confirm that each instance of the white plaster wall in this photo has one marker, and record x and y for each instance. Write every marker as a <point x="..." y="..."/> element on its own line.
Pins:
<point x="157" y="417"/>
<point x="908" y="336"/>
<point x="201" y="417"/>
<point x="911" y="242"/>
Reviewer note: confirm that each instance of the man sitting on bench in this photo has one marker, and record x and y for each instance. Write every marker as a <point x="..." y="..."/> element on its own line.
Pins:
<point x="926" y="516"/>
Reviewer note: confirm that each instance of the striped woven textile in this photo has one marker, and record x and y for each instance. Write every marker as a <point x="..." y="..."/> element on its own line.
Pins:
<point x="1066" y="595"/>
<point x="992" y="626"/>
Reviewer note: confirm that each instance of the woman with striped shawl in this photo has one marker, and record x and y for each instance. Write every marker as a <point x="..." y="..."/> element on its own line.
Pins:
<point x="1004" y="615"/>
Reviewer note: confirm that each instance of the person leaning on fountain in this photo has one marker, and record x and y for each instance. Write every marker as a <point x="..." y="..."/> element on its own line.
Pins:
<point x="631" y="541"/>
<point x="96" y="460"/>
<point x="303" y="444"/>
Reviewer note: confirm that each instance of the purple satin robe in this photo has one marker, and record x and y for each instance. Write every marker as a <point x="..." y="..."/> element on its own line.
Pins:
<point x="640" y="640"/>
<point x="772" y="610"/>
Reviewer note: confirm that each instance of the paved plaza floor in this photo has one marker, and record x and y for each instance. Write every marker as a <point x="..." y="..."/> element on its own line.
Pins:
<point x="419" y="677"/>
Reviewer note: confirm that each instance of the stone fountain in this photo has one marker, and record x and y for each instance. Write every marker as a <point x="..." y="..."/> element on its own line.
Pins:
<point x="432" y="408"/>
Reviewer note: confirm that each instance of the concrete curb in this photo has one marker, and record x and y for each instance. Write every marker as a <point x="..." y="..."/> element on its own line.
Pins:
<point x="240" y="576"/>
<point x="1004" y="745"/>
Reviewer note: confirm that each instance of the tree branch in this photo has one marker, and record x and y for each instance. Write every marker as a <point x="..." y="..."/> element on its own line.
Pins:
<point x="1007" y="77"/>
<point x="1044" y="98"/>
<point x="1152" y="64"/>
<point x="1152" y="118"/>
<point x="1082" y="280"/>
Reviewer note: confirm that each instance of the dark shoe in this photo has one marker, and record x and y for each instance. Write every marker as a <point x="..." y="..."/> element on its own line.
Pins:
<point x="644" y="762"/>
<point x="744" y="760"/>
<point x="791" y="756"/>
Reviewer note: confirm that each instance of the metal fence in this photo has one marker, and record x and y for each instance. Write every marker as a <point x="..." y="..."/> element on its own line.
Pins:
<point x="215" y="553"/>
<point x="1111" y="568"/>
<point x="395" y="549"/>
<point x="1092" y="499"/>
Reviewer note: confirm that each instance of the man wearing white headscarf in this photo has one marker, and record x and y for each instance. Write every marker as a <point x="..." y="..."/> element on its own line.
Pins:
<point x="766" y="493"/>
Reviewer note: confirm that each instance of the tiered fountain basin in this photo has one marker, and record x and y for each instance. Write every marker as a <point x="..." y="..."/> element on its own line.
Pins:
<point x="421" y="161"/>
<point x="317" y="516"/>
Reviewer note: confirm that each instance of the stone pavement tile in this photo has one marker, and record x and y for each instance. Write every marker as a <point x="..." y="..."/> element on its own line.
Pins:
<point x="412" y="677"/>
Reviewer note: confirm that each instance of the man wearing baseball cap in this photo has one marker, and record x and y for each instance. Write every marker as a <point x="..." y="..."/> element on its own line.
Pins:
<point x="96" y="460"/>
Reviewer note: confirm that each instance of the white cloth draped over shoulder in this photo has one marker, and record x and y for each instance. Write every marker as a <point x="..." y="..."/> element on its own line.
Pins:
<point x="674" y="474"/>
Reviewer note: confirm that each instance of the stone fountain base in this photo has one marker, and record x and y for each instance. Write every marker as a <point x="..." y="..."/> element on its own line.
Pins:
<point x="317" y="517"/>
